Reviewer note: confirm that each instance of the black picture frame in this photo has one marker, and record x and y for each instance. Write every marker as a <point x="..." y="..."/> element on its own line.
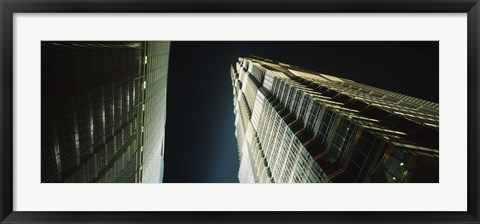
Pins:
<point x="9" y="7"/>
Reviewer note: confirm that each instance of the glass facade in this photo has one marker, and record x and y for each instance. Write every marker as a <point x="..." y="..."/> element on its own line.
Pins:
<point x="111" y="128"/>
<point x="300" y="126"/>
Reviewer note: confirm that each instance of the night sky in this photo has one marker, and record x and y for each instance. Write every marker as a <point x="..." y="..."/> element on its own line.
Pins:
<point x="200" y="146"/>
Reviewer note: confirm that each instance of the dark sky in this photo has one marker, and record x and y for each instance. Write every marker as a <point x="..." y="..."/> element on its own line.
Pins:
<point x="200" y="145"/>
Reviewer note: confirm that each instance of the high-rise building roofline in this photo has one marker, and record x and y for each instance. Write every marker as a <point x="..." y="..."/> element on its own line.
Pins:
<point x="297" y="125"/>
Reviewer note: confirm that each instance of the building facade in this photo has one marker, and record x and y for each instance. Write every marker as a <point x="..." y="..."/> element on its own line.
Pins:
<point x="299" y="126"/>
<point x="103" y="111"/>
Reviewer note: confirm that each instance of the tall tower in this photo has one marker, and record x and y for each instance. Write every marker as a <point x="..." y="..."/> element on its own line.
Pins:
<point x="299" y="126"/>
<point x="103" y="111"/>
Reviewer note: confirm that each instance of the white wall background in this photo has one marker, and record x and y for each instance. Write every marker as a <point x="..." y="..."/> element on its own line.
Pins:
<point x="450" y="194"/>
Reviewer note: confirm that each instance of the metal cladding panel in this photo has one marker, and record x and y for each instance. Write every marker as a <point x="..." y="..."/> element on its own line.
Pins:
<point x="157" y="56"/>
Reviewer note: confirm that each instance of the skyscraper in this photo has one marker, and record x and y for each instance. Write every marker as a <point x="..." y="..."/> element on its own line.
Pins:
<point x="103" y="111"/>
<point x="299" y="126"/>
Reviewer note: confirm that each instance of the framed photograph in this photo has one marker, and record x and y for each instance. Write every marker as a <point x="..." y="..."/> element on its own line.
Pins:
<point x="245" y="112"/>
